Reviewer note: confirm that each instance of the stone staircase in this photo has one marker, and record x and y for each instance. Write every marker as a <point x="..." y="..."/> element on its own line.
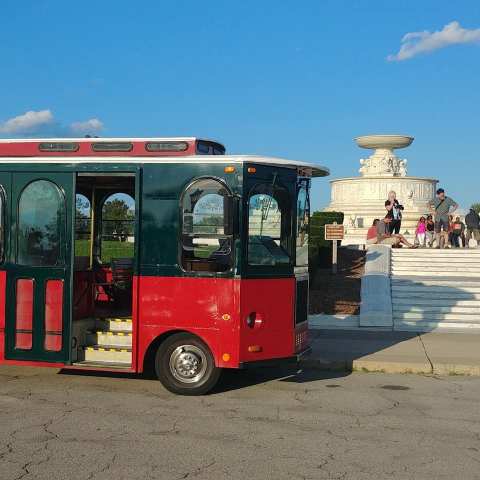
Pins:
<point x="435" y="289"/>
<point x="109" y="343"/>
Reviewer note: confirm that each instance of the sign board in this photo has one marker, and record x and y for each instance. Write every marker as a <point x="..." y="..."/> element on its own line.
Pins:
<point x="333" y="231"/>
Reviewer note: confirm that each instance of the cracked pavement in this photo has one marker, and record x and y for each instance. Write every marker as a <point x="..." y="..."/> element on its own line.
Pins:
<point x="259" y="424"/>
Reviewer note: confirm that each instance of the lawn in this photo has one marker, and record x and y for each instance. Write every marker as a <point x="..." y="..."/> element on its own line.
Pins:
<point x="110" y="249"/>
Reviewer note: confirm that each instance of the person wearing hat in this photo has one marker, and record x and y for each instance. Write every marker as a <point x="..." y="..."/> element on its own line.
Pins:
<point x="442" y="207"/>
<point x="472" y="220"/>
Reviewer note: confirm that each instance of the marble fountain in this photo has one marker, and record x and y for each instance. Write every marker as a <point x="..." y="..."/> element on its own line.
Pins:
<point x="362" y="199"/>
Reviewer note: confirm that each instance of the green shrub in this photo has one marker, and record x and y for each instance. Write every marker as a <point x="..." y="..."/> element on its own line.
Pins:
<point x="320" y="250"/>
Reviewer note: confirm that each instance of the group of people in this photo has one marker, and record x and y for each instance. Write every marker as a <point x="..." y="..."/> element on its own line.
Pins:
<point x="439" y="228"/>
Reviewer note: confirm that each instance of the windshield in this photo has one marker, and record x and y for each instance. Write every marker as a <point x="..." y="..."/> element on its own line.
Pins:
<point x="268" y="226"/>
<point x="303" y="216"/>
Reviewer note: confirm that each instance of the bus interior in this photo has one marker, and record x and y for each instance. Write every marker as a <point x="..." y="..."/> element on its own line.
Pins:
<point x="104" y="252"/>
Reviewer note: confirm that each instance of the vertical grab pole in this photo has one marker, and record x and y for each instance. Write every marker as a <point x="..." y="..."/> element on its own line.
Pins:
<point x="92" y="227"/>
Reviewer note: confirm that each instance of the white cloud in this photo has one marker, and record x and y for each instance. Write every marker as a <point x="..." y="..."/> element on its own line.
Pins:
<point x="94" y="125"/>
<point x="29" y="122"/>
<point x="414" y="43"/>
<point x="43" y="123"/>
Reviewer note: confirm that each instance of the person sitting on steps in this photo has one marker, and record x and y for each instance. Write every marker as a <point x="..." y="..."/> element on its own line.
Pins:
<point x="384" y="237"/>
<point x="372" y="233"/>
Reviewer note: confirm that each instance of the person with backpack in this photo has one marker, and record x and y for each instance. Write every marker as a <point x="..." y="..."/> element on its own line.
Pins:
<point x="442" y="206"/>
<point x="472" y="219"/>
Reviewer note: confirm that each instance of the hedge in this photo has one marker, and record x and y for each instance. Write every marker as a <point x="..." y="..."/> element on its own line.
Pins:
<point x="320" y="250"/>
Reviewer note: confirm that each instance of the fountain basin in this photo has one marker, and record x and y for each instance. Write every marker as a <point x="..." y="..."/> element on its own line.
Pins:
<point x="389" y="142"/>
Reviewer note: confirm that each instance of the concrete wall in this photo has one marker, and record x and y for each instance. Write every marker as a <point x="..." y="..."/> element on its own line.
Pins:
<point x="376" y="304"/>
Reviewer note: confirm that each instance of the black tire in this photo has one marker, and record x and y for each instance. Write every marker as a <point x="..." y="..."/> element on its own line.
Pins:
<point x="185" y="365"/>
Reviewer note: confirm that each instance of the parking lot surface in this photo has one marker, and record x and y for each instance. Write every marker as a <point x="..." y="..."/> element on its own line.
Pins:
<point x="259" y="424"/>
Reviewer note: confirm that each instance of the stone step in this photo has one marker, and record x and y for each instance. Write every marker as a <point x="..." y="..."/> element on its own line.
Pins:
<point x="437" y="309"/>
<point x="428" y="326"/>
<point x="436" y="292"/>
<point x="434" y="302"/>
<point x="445" y="267"/>
<point x="437" y="317"/>
<point x="115" y="338"/>
<point x="465" y="283"/>
<point x="108" y="354"/>
<point x="435" y="260"/>
<point x="451" y="272"/>
<point x="435" y="251"/>
<point x="115" y="324"/>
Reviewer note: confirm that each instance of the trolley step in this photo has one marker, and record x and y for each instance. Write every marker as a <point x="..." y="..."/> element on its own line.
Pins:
<point x="108" y="353"/>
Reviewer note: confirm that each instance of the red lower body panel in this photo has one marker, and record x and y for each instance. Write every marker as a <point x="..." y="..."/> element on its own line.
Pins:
<point x="241" y="320"/>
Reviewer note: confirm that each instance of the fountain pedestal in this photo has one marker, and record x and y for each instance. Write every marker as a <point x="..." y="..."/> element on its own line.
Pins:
<point x="362" y="199"/>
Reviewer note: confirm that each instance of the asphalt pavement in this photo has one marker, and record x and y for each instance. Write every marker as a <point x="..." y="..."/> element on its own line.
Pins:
<point x="259" y="424"/>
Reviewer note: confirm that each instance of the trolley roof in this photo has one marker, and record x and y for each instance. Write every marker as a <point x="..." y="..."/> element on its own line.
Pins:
<point x="303" y="168"/>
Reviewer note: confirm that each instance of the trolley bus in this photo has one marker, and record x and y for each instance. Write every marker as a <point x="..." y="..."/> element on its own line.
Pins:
<point x="165" y="253"/>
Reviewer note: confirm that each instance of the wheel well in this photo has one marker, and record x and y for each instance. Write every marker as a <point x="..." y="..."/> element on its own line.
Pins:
<point x="149" y="358"/>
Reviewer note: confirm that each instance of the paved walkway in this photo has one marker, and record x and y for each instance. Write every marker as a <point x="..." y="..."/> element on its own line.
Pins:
<point x="396" y="352"/>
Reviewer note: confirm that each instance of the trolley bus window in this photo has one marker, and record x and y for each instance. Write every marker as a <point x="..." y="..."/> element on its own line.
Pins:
<point x="118" y="227"/>
<point x="303" y="215"/>
<point x="41" y="213"/>
<point x="83" y="226"/>
<point x="206" y="242"/>
<point x="269" y="226"/>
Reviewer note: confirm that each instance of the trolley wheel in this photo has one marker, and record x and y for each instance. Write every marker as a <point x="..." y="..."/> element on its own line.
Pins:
<point x="185" y="365"/>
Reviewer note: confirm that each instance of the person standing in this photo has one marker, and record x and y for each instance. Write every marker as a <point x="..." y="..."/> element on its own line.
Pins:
<point x="458" y="233"/>
<point x="472" y="219"/>
<point x="430" y="233"/>
<point x="394" y="211"/>
<point x="442" y="206"/>
<point x="420" y="232"/>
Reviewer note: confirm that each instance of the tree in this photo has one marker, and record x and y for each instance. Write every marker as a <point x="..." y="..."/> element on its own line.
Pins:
<point x="117" y="217"/>
<point x="476" y="207"/>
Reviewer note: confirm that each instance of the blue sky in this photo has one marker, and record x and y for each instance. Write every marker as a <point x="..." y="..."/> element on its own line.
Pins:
<point x="293" y="79"/>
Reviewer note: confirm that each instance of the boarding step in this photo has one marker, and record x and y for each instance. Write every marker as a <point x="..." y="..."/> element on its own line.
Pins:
<point x="117" y="338"/>
<point x="115" y="324"/>
<point x="110" y="365"/>
<point x="108" y="353"/>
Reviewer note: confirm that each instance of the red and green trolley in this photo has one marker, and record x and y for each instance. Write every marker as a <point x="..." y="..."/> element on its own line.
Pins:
<point x="127" y="254"/>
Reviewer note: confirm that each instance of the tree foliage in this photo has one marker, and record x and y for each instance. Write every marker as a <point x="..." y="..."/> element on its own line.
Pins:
<point x="476" y="207"/>
<point x="117" y="209"/>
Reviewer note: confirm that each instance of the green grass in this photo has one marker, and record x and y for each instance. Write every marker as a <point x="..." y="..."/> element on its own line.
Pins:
<point x="110" y="249"/>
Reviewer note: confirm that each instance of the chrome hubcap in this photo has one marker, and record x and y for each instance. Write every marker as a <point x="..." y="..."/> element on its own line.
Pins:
<point x="188" y="363"/>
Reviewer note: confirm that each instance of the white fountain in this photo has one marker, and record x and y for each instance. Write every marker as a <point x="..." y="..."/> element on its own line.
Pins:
<point x="362" y="199"/>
